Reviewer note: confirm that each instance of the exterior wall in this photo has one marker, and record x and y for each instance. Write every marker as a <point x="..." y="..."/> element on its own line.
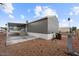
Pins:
<point x="43" y="36"/>
<point x="44" y="28"/>
<point x="53" y="24"/>
<point x="39" y="26"/>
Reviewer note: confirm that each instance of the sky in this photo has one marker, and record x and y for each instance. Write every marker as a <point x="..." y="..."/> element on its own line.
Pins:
<point x="20" y="12"/>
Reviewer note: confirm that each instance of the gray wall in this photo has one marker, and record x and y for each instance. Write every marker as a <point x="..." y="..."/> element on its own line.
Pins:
<point x="39" y="26"/>
<point x="53" y="24"/>
<point x="49" y="24"/>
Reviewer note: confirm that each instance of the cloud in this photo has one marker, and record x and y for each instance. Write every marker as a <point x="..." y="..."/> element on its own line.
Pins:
<point x="28" y="10"/>
<point x="11" y="16"/>
<point x="7" y="8"/>
<point x="71" y="13"/>
<point x="65" y="23"/>
<point x="49" y="12"/>
<point x="22" y="16"/>
<point x="38" y="10"/>
<point x="75" y="11"/>
<point x="44" y="11"/>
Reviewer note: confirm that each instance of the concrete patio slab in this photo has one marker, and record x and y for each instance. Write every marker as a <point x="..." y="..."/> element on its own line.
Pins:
<point x="17" y="39"/>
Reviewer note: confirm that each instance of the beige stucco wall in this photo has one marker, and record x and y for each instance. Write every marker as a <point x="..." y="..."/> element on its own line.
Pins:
<point x="53" y="24"/>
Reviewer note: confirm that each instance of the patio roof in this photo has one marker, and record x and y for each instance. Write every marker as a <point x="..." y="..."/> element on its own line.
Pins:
<point x="16" y="24"/>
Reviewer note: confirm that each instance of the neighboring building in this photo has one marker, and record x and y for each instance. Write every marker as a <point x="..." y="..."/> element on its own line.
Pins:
<point x="43" y="28"/>
<point x="64" y="29"/>
<point x="2" y="29"/>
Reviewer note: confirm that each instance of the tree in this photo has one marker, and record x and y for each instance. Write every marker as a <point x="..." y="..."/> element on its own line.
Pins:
<point x="68" y="19"/>
<point x="69" y="25"/>
<point x="74" y="28"/>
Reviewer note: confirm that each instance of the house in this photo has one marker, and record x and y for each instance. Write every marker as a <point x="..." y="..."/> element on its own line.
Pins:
<point x="2" y="29"/>
<point x="64" y="29"/>
<point x="45" y="27"/>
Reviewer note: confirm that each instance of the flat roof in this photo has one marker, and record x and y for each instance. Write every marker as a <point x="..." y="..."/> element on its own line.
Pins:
<point x="44" y="18"/>
<point x="16" y="24"/>
<point x="10" y="23"/>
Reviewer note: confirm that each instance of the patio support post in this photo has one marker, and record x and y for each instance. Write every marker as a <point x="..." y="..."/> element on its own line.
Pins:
<point x="26" y="25"/>
<point x="7" y="34"/>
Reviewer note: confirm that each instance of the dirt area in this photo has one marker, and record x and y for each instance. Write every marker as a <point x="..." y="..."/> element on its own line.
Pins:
<point x="36" y="47"/>
<point x="2" y="39"/>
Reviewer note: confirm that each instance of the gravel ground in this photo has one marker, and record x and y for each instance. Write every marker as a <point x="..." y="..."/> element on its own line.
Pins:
<point x="36" y="47"/>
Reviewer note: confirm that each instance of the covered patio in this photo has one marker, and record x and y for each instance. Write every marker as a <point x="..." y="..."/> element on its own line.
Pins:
<point x="16" y="29"/>
<point x="17" y="32"/>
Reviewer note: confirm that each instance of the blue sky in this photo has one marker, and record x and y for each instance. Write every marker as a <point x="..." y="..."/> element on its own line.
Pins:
<point x="20" y="12"/>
